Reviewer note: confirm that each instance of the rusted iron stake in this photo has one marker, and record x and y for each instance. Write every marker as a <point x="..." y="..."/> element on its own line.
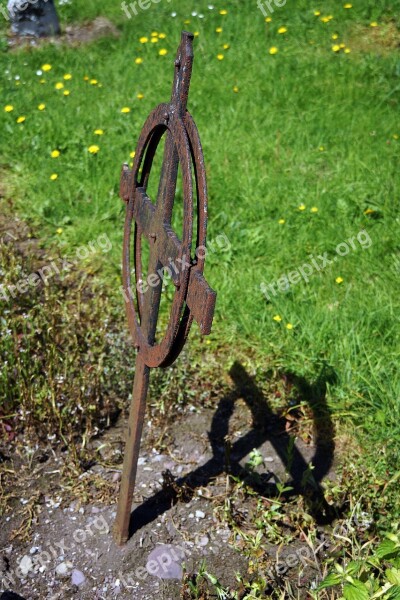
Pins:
<point x="193" y="299"/>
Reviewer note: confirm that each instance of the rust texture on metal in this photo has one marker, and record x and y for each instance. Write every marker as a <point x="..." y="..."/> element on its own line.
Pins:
<point x="193" y="297"/>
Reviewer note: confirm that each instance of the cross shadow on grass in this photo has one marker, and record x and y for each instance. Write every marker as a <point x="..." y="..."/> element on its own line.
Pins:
<point x="266" y="426"/>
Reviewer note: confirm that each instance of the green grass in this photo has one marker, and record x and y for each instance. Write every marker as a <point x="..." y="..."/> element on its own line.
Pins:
<point x="263" y="148"/>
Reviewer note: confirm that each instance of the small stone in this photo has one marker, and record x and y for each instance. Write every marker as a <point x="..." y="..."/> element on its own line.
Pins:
<point x="200" y="514"/>
<point x="77" y="577"/>
<point x="203" y="541"/>
<point x="62" y="569"/>
<point x="25" y="565"/>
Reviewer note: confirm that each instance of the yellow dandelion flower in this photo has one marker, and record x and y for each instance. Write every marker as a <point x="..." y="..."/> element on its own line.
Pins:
<point x="55" y="153"/>
<point x="93" y="82"/>
<point x="348" y="5"/>
<point x="154" y="40"/>
<point x="223" y="12"/>
<point x="8" y="108"/>
<point x="220" y="56"/>
<point x="154" y="34"/>
<point x="138" y="60"/>
<point x="59" y="85"/>
<point x="302" y="207"/>
<point x="314" y="209"/>
<point x="46" y="67"/>
<point x="336" y="48"/>
<point x="132" y="154"/>
<point x="67" y="76"/>
<point x="140" y="96"/>
<point x="282" y="30"/>
<point x="187" y="21"/>
<point x="347" y="51"/>
<point x="317" y="13"/>
<point x="226" y="46"/>
<point x="98" y="132"/>
<point x="235" y="89"/>
<point x="373" y="24"/>
<point x="21" y="119"/>
<point x="41" y="106"/>
<point x="196" y="34"/>
<point x="395" y="136"/>
<point x="53" y="176"/>
<point x="321" y="149"/>
<point x="42" y="81"/>
<point x="368" y="211"/>
<point x="339" y="280"/>
<point x="86" y="78"/>
<point x="125" y="109"/>
<point x="59" y="231"/>
<point x="143" y="40"/>
<point x="268" y="19"/>
<point x="335" y="36"/>
<point x="163" y="52"/>
<point x="218" y="30"/>
<point x="342" y="46"/>
<point x="277" y="318"/>
<point x="273" y="50"/>
<point x="93" y="149"/>
<point x="289" y="326"/>
<point x="281" y="221"/>
<point x="162" y="36"/>
<point x="327" y="19"/>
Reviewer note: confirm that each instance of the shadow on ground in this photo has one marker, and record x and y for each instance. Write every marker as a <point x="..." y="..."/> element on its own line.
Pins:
<point x="306" y="477"/>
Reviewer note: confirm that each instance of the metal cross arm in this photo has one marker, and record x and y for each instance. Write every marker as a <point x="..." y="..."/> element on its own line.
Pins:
<point x="193" y="298"/>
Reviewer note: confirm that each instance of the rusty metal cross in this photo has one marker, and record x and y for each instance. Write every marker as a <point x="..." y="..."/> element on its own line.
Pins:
<point x="193" y="298"/>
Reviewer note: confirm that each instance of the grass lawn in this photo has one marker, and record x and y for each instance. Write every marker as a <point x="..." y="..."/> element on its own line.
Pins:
<point x="299" y="120"/>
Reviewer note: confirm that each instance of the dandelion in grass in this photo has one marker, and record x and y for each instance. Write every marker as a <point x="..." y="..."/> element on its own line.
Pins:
<point x="162" y="36"/>
<point x="21" y="119"/>
<point x="339" y="280"/>
<point x="335" y="36"/>
<point x="220" y="56"/>
<point x="59" y="85"/>
<point x="53" y="176"/>
<point x="347" y="50"/>
<point x="93" y="82"/>
<point x="289" y="326"/>
<point x="66" y="92"/>
<point x="154" y="40"/>
<point x="282" y="30"/>
<point x="302" y="207"/>
<point x="395" y="136"/>
<point x="314" y="209"/>
<point x="143" y="40"/>
<point x="321" y="148"/>
<point x="59" y="231"/>
<point x="274" y="50"/>
<point x="218" y="30"/>
<point x="281" y="221"/>
<point x="336" y="48"/>
<point x="163" y="52"/>
<point x="196" y="34"/>
<point x="41" y="106"/>
<point x="132" y="154"/>
<point x="8" y="108"/>
<point x="125" y="110"/>
<point x="348" y="5"/>
<point x="277" y="318"/>
<point x="55" y="153"/>
<point x="138" y="61"/>
<point x="94" y="149"/>
<point x="154" y="34"/>
<point x="140" y="96"/>
<point x="317" y="13"/>
<point x="223" y="12"/>
<point x="373" y="24"/>
<point x="98" y="132"/>
<point x="226" y="46"/>
<point x="67" y="76"/>
<point x="268" y="19"/>
<point x="46" y="67"/>
<point x="235" y="89"/>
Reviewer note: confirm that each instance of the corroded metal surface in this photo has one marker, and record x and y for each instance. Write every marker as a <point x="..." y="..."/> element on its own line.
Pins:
<point x="182" y="257"/>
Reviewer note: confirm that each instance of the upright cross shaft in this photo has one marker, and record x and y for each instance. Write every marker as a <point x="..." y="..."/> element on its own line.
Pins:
<point x="165" y="201"/>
